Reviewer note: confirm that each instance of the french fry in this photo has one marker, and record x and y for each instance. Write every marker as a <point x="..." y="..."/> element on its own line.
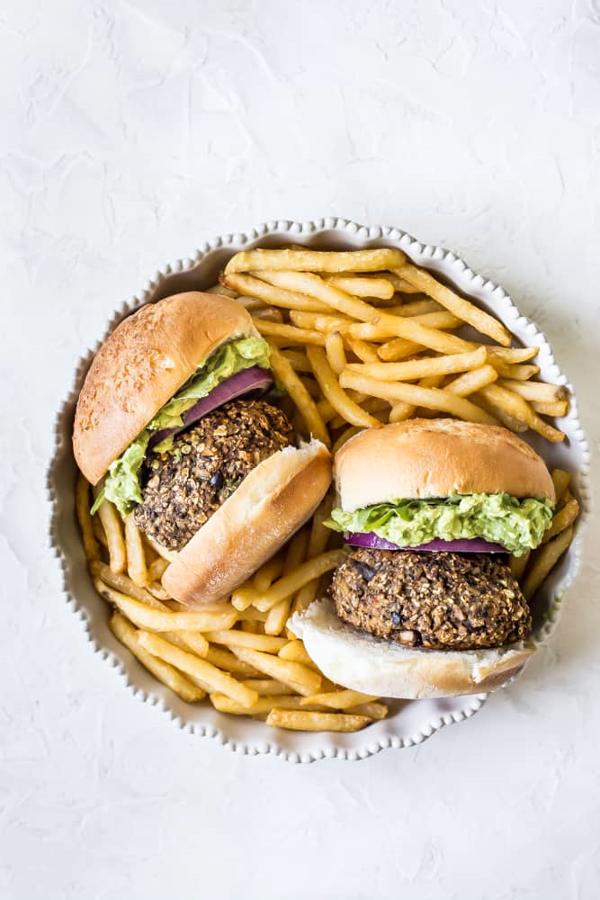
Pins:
<point x="536" y="390"/>
<point x="373" y="710"/>
<point x="338" y="398"/>
<point x="343" y="699"/>
<point x="158" y="620"/>
<point x="284" y="373"/>
<point x="123" y="584"/>
<point x="136" y="559"/>
<point x="317" y="544"/>
<point x="243" y="596"/>
<point x="268" y="314"/>
<point x="261" y="705"/>
<point x="114" y="536"/>
<point x="300" y="678"/>
<point x="315" y="721"/>
<point x="561" y="481"/>
<point x="518" y="564"/>
<point x="420" y="368"/>
<point x="373" y="331"/>
<point x="556" y="408"/>
<point x="235" y="638"/>
<point x="161" y="551"/>
<point x="297" y="360"/>
<point x="336" y="354"/>
<point x="415" y="308"/>
<point x="274" y="296"/>
<point x="158" y="591"/>
<point x="517" y="407"/>
<point x="464" y="309"/>
<point x="345" y="436"/>
<point x="319" y="322"/>
<point x="278" y="615"/>
<point x="289" y="333"/>
<point x="544" y="561"/>
<point x="364" y="351"/>
<point x="303" y="260"/>
<point x="224" y="659"/>
<point x="401" y="284"/>
<point x="199" y="670"/>
<point x="430" y="398"/>
<point x="295" y="651"/>
<point x="157" y="568"/>
<point x="516" y="373"/>
<point x="188" y="640"/>
<point x="562" y="519"/>
<point x="289" y="584"/>
<point x="98" y="530"/>
<point x="82" y="508"/>
<point x="395" y="350"/>
<point x="401" y="411"/>
<point x="472" y="381"/>
<point x="381" y="288"/>
<point x="358" y="309"/>
<point x="513" y="354"/>
<point x="167" y="674"/>
<point x="267" y="687"/>
<point x="267" y="574"/>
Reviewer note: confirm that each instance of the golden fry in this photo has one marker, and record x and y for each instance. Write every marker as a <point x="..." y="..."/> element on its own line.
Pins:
<point x="315" y="721"/>
<point x="359" y="286"/>
<point x="516" y="373"/>
<point x="284" y="373"/>
<point x="342" y="699"/>
<point x="536" y="390"/>
<point x="374" y="331"/>
<point x="300" y="678"/>
<point x="513" y="354"/>
<point x="113" y="529"/>
<point x="472" y="381"/>
<point x="167" y="674"/>
<point x="157" y="568"/>
<point x="267" y="687"/>
<point x="420" y="368"/>
<point x="319" y="322"/>
<point x="82" y="507"/>
<point x="224" y="659"/>
<point x="274" y="296"/>
<point x="261" y="705"/>
<point x="289" y="584"/>
<point x="464" y="309"/>
<point x="556" y="408"/>
<point x="297" y="360"/>
<point x="235" y="638"/>
<point x="136" y="558"/>
<point x="303" y="260"/>
<point x="562" y="519"/>
<point x="518" y="564"/>
<point x="430" y="398"/>
<point x="123" y="584"/>
<point x="289" y="333"/>
<point x="338" y="398"/>
<point x="161" y="620"/>
<point x="336" y="354"/>
<point x="561" y="480"/>
<point x="393" y="351"/>
<point x="345" y="436"/>
<point x="517" y="407"/>
<point x="364" y="351"/>
<point x="544" y="560"/>
<point x="415" y="308"/>
<point x="199" y="670"/>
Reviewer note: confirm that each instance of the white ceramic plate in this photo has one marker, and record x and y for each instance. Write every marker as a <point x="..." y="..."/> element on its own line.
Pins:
<point x="412" y="721"/>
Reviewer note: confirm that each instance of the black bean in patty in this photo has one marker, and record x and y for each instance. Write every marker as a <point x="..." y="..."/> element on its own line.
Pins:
<point x="444" y="601"/>
<point x="182" y="488"/>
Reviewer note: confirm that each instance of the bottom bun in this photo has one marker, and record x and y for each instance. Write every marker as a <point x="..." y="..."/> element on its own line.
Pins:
<point x="371" y="665"/>
<point x="272" y="502"/>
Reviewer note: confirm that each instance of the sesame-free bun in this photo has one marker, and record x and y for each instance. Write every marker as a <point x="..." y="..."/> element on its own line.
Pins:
<point x="142" y="364"/>
<point x="272" y="502"/>
<point x="374" y="666"/>
<point x="437" y="458"/>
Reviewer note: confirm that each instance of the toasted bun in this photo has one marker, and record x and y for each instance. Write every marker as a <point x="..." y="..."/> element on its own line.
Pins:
<point x="373" y="666"/>
<point x="436" y="458"/>
<point x="139" y="367"/>
<point x="272" y="502"/>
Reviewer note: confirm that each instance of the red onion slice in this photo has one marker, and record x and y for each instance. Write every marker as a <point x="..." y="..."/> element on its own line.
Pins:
<point x="252" y="379"/>
<point x="466" y="545"/>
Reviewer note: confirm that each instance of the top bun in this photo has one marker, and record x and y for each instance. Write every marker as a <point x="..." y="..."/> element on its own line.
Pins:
<point x="142" y="364"/>
<point x="436" y="458"/>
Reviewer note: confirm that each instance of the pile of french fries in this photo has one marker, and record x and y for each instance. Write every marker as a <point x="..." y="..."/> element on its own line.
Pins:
<point x="358" y="338"/>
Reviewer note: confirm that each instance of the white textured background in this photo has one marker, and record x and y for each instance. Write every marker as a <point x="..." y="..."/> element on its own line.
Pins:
<point x="128" y="133"/>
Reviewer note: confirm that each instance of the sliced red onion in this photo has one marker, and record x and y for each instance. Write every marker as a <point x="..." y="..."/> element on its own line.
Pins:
<point x="466" y="545"/>
<point x="244" y="382"/>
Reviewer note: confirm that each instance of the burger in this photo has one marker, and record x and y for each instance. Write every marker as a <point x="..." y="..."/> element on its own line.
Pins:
<point x="425" y="605"/>
<point x="177" y="425"/>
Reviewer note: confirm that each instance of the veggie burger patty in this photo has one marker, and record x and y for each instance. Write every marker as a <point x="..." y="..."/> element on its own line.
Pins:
<point x="441" y="601"/>
<point x="184" y="486"/>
